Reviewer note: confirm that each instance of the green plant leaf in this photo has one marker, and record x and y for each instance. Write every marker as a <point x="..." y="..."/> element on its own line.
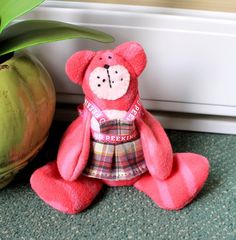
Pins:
<point x="11" y="9"/>
<point x="33" y="32"/>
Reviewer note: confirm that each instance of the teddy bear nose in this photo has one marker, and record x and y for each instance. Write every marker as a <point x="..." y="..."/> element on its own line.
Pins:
<point x="106" y="66"/>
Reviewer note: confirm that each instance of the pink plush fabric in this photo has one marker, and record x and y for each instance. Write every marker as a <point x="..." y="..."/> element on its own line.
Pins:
<point x="65" y="196"/>
<point x="76" y="65"/>
<point x="121" y="182"/>
<point x="156" y="146"/>
<point x="133" y="53"/>
<point x="74" y="149"/>
<point x="108" y="89"/>
<point x="172" y="180"/>
<point x="188" y="176"/>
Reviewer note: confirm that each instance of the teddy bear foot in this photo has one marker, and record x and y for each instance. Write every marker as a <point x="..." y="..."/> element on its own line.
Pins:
<point x="68" y="197"/>
<point x="188" y="176"/>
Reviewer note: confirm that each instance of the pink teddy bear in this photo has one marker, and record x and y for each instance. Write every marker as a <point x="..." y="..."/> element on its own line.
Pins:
<point x="115" y="141"/>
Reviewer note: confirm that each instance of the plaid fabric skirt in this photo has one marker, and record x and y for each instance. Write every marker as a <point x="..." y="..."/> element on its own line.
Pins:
<point x="122" y="161"/>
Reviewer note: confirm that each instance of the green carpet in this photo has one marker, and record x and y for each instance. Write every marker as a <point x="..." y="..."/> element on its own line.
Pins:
<point x="125" y="213"/>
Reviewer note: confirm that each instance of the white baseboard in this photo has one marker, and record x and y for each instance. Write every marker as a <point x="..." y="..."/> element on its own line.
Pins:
<point x="171" y="120"/>
<point x="191" y="67"/>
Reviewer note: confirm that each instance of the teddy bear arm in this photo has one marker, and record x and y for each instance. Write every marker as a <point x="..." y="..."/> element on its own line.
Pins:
<point x="74" y="148"/>
<point x="159" y="134"/>
<point x="156" y="146"/>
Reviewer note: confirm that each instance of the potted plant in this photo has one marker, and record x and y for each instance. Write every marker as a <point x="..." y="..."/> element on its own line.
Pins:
<point x="27" y="94"/>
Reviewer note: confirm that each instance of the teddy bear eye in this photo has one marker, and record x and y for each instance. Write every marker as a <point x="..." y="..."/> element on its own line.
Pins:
<point x="109" y="57"/>
<point x="116" y="72"/>
<point x="98" y="77"/>
<point x="99" y="85"/>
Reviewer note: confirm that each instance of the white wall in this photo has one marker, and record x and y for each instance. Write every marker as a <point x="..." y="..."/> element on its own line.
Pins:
<point x="191" y="59"/>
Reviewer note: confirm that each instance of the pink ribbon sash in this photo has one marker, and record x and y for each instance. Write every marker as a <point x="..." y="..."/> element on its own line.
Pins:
<point x="135" y="110"/>
<point x="109" y="138"/>
<point x="96" y="112"/>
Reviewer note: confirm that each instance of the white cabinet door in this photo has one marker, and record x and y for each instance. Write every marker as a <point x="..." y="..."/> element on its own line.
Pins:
<point x="191" y="54"/>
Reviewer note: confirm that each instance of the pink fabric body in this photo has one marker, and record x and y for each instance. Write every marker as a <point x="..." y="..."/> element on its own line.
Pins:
<point x="172" y="180"/>
<point x="188" y="175"/>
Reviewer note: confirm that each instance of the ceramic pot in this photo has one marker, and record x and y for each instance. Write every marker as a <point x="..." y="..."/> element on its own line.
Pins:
<point x="27" y="105"/>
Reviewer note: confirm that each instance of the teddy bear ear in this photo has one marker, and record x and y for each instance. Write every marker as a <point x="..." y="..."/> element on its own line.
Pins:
<point x="133" y="53"/>
<point x="77" y="64"/>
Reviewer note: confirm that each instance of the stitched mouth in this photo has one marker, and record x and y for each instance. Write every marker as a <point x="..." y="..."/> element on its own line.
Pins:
<point x="109" y="78"/>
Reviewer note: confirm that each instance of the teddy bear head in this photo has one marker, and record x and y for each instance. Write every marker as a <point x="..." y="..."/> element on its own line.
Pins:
<point x="108" y="76"/>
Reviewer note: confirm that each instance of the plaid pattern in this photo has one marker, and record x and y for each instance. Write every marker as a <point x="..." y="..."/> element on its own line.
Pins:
<point x="122" y="161"/>
<point x="117" y="126"/>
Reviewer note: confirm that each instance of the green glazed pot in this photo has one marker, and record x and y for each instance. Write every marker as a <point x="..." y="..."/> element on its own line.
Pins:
<point x="27" y="105"/>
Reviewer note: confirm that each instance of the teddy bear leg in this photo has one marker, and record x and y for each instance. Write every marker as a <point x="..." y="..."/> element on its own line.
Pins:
<point x="66" y="196"/>
<point x="188" y="176"/>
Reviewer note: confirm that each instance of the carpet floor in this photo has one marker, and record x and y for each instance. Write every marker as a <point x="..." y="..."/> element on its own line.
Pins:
<point x="124" y="212"/>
